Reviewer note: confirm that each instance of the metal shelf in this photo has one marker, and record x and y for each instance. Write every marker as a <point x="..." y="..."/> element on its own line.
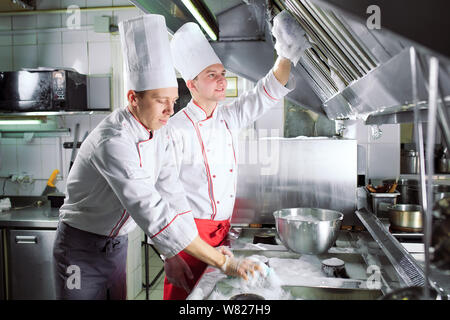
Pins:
<point x="55" y="113"/>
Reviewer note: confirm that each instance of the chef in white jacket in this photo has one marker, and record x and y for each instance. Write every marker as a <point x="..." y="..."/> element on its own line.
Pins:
<point x="205" y="136"/>
<point x="125" y="175"/>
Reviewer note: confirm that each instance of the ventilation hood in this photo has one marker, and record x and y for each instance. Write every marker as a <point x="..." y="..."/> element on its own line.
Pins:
<point x="350" y="71"/>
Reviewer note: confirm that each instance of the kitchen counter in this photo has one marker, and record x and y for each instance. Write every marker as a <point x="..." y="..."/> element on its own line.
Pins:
<point x="31" y="217"/>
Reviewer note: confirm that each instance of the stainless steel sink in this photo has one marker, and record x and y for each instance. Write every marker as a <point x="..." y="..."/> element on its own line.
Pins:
<point x="319" y="293"/>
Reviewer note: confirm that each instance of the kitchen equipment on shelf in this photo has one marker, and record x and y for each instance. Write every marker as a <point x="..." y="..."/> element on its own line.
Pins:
<point x="308" y="230"/>
<point x="43" y="90"/>
<point x="409" y="161"/>
<point x="51" y="187"/>
<point x="406" y="217"/>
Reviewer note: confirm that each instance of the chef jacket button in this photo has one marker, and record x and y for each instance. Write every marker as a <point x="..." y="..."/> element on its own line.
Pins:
<point x="218" y="202"/>
<point x="200" y="124"/>
<point x="231" y="196"/>
<point x="231" y="170"/>
<point x="214" y="175"/>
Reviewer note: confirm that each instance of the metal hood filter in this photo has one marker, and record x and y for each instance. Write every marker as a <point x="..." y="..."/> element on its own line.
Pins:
<point x="350" y="71"/>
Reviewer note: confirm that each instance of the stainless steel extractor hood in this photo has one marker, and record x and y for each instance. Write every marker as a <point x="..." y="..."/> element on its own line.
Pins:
<point x="350" y="71"/>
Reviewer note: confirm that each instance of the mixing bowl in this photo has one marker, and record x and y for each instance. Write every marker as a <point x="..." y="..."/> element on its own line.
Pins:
<point x="308" y="230"/>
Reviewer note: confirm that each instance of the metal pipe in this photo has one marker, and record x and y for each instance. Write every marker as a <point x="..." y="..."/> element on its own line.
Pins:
<point x="432" y="102"/>
<point x="58" y="11"/>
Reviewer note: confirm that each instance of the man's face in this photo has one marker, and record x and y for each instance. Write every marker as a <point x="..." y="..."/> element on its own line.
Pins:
<point x="153" y="108"/>
<point x="211" y="83"/>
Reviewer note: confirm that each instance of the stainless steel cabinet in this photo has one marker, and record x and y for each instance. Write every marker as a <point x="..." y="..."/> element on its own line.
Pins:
<point x="30" y="264"/>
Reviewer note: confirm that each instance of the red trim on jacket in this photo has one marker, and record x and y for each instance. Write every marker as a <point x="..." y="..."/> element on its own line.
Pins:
<point x="208" y="173"/>
<point x="121" y="225"/>
<point x="269" y="94"/>
<point x="179" y="214"/>
<point x="123" y="214"/>
<point x="195" y="103"/>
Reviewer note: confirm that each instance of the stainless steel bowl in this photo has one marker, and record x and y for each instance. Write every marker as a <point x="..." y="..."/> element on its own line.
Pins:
<point x="308" y="230"/>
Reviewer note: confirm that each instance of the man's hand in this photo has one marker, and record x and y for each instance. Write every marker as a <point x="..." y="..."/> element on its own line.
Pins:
<point x="290" y="37"/>
<point x="240" y="267"/>
<point x="178" y="272"/>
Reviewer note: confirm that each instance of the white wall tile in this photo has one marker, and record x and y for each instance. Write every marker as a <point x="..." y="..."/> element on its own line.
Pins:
<point x="5" y="23"/>
<point x="99" y="57"/>
<point x="24" y="22"/>
<point x="5" y="40"/>
<point x="49" y="160"/>
<point x="25" y="39"/>
<point x="49" y="21"/>
<point x="50" y="55"/>
<point x="75" y="56"/>
<point x="24" y="57"/>
<point x="6" y="60"/>
<point x="8" y="161"/>
<point x="29" y="159"/>
<point x="383" y="160"/>
<point x="74" y="36"/>
<point x="49" y="37"/>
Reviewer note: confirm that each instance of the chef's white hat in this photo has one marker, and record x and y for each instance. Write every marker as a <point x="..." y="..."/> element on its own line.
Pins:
<point x="146" y="52"/>
<point x="191" y="51"/>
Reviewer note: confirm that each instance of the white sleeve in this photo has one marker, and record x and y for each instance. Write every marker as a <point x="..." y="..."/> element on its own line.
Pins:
<point x="254" y="103"/>
<point x="117" y="160"/>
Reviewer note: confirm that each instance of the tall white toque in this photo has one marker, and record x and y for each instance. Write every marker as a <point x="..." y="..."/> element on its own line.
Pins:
<point x="146" y="52"/>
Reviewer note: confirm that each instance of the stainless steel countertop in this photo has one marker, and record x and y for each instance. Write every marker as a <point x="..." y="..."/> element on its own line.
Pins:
<point x="31" y="217"/>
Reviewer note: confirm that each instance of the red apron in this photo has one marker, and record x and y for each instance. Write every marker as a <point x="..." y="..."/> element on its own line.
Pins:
<point x="213" y="233"/>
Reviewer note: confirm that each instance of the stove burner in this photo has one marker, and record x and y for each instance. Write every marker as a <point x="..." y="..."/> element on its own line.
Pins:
<point x="264" y="237"/>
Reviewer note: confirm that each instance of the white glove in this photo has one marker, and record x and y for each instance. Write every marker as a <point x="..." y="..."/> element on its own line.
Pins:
<point x="290" y="37"/>
<point x="225" y="251"/>
<point x="239" y="267"/>
<point x="178" y="272"/>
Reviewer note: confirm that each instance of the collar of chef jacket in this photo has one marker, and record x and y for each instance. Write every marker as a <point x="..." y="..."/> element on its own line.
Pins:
<point x="197" y="114"/>
<point x="141" y="132"/>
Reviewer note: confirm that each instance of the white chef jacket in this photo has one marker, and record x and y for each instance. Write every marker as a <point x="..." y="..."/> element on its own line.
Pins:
<point x="206" y="148"/>
<point x="123" y="175"/>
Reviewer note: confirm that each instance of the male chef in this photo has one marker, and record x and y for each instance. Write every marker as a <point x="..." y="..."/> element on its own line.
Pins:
<point x="124" y="175"/>
<point x="205" y="136"/>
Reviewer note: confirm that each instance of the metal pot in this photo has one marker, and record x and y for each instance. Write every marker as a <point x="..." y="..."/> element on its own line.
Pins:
<point x="406" y="216"/>
<point x="409" y="161"/>
<point x="308" y="230"/>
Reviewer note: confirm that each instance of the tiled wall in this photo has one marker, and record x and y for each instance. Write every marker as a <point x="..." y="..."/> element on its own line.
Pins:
<point x="377" y="158"/>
